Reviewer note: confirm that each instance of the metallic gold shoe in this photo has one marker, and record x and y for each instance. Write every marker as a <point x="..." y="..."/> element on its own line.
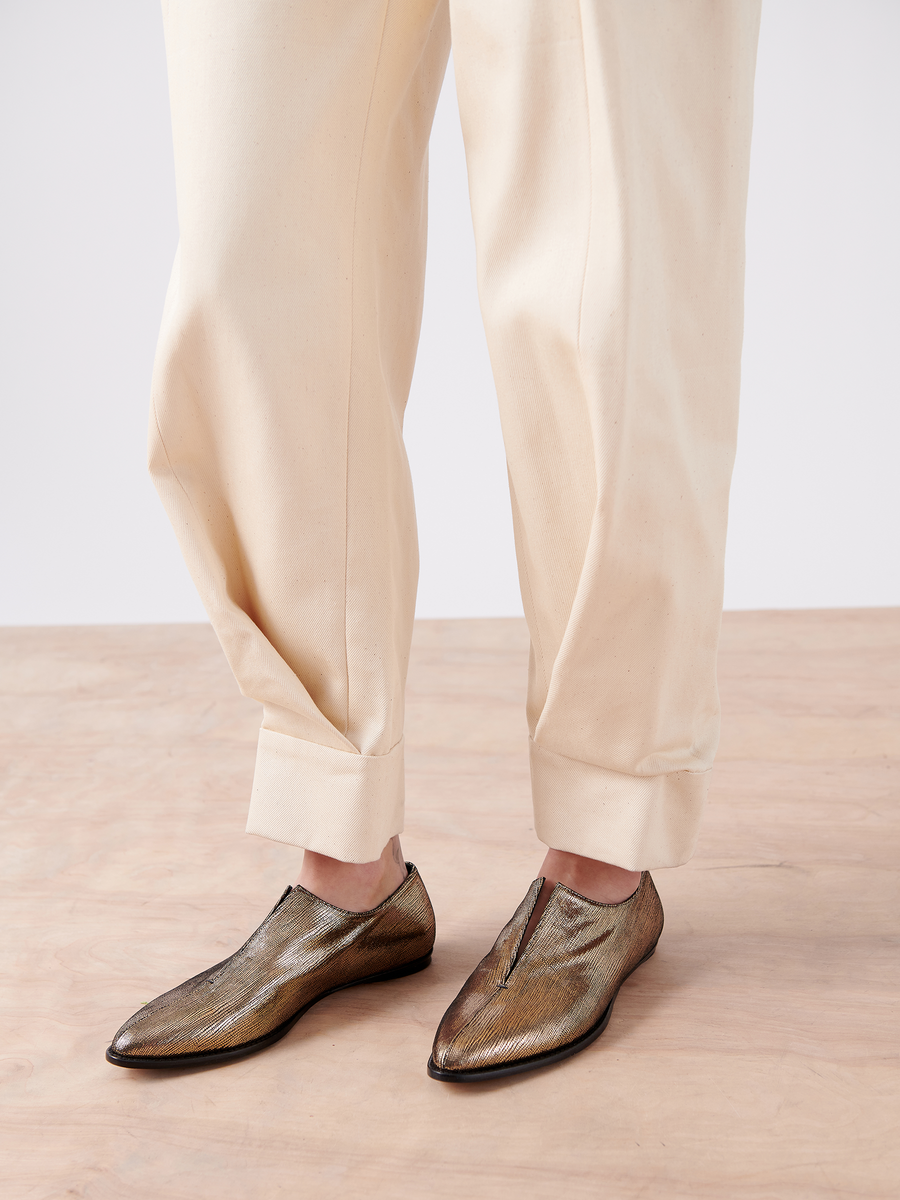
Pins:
<point x="303" y="951"/>
<point x="516" y="1012"/>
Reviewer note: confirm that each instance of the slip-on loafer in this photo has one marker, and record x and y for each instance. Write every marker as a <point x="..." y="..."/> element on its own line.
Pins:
<point x="304" y="950"/>
<point x="520" y="1011"/>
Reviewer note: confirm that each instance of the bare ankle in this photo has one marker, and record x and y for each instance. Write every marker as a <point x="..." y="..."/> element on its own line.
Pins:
<point x="600" y="881"/>
<point x="356" y="887"/>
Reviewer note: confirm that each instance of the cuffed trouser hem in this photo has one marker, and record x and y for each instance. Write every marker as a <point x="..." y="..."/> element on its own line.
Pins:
<point x="345" y="805"/>
<point x="638" y="822"/>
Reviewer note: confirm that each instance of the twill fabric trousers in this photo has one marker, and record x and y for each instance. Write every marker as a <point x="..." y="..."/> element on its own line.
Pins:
<point x="607" y="146"/>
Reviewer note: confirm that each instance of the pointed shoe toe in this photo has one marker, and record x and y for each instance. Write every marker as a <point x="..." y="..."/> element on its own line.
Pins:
<point x="304" y="950"/>
<point x="517" y="1011"/>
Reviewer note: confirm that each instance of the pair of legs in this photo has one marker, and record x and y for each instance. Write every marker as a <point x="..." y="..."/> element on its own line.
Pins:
<point x="607" y="144"/>
<point x="607" y="147"/>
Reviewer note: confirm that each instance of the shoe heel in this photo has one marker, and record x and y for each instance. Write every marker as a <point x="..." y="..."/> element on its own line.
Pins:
<point x="649" y="953"/>
<point x="407" y="969"/>
<point x="410" y="968"/>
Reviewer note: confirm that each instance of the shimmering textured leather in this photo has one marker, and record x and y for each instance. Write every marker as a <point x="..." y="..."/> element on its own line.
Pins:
<point x="516" y="1008"/>
<point x="304" y="949"/>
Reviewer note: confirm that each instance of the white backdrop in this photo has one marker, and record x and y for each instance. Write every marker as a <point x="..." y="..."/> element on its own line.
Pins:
<point x="87" y="222"/>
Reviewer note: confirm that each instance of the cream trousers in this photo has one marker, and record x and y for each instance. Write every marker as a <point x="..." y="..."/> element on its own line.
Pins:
<point x="607" y="144"/>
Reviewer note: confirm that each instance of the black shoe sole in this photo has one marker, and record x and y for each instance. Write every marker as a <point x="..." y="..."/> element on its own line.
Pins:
<point x="208" y="1058"/>
<point x="517" y="1067"/>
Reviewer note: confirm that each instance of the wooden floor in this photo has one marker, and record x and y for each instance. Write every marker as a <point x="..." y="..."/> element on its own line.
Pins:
<point x="754" y="1056"/>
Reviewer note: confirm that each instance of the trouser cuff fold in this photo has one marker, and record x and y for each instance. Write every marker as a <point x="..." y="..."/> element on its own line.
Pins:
<point x="638" y="822"/>
<point x="345" y="805"/>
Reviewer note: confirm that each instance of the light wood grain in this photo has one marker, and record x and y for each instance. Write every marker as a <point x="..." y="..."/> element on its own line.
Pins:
<point x="755" y="1056"/>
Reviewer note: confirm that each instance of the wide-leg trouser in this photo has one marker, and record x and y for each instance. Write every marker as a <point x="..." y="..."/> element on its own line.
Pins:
<point x="607" y="145"/>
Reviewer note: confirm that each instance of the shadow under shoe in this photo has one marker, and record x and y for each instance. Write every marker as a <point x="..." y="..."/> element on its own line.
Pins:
<point x="303" y="951"/>
<point x="517" y="1012"/>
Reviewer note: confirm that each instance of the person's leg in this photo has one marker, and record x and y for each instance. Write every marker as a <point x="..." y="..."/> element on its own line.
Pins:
<point x="608" y="148"/>
<point x="285" y="358"/>
<point x="284" y="362"/>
